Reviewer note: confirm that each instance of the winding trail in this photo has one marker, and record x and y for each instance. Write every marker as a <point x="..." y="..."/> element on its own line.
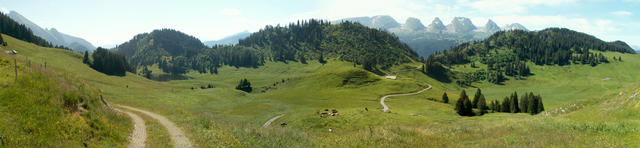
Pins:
<point x="385" y="108"/>
<point x="177" y="136"/>
<point x="271" y="120"/>
<point x="139" y="134"/>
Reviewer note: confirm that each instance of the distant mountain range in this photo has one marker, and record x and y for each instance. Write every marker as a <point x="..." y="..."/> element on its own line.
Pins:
<point x="52" y="35"/>
<point x="229" y="40"/>
<point x="435" y="36"/>
<point x="637" y="48"/>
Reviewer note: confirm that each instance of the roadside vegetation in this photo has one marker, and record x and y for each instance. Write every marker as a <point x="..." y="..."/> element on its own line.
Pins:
<point x="42" y="108"/>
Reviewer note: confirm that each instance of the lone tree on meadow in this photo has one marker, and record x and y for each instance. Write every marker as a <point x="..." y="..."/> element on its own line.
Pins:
<point x="244" y="85"/>
<point x="445" y="98"/>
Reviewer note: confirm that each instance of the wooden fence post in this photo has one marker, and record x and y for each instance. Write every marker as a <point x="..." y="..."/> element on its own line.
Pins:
<point x="15" y="65"/>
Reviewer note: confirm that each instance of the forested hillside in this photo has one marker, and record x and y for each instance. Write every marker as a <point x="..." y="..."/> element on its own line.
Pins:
<point x="506" y="52"/>
<point x="10" y="27"/>
<point x="347" y="41"/>
<point x="149" y="48"/>
<point x="317" y="40"/>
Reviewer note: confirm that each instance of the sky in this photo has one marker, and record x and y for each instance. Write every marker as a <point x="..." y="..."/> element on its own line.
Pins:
<point x="110" y="22"/>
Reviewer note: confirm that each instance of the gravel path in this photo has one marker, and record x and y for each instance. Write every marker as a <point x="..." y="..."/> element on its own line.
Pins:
<point x="385" y="108"/>
<point x="177" y="136"/>
<point x="139" y="134"/>
<point x="271" y="120"/>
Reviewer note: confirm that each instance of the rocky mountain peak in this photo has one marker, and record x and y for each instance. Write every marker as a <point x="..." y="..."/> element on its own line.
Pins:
<point x="413" y="24"/>
<point x="436" y="26"/>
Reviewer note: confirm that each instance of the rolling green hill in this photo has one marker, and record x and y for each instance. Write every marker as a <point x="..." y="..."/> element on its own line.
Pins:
<point x="150" y="48"/>
<point x="47" y="108"/>
<point x="310" y="40"/>
<point x="508" y="52"/>
<point x="222" y="116"/>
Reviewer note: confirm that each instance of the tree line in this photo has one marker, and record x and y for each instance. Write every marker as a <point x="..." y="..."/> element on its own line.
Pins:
<point x="19" y="31"/>
<point x="107" y="62"/>
<point x="528" y="103"/>
<point x="302" y="41"/>
<point x="318" y="39"/>
<point x="2" y="42"/>
<point x="507" y="52"/>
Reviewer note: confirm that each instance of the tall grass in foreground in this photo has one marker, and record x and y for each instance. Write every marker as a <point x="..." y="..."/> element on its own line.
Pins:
<point x="41" y="109"/>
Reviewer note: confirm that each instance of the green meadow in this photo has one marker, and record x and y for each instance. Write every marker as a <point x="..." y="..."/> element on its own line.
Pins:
<point x="225" y="117"/>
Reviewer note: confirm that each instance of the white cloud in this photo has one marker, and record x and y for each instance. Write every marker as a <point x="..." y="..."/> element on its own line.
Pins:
<point x="622" y="13"/>
<point x="230" y="12"/>
<point x="337" y="9"/>
<point x="509" y="6"/>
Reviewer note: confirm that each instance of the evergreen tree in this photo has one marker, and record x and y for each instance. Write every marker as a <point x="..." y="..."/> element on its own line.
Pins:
<point x="244" y="85"/>
<point x="445" y="98"/>
<point x="496" y="106"/>
<point x="492" y="106"/>
<point x="85" y="59"/>
<point x="1" y="40"/>
<point x="463" y="105"/>
<point x="468" y="108"/>
<point x="540" y="105"/>
<point x="506" y="105"/>
<point x="476" y="98"/>
<point x="482" y="104"/>
<point x="514" y="106"/>
<point x="524" y="103"/>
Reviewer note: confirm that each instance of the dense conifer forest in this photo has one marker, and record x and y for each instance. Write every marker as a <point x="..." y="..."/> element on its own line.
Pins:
<point x="310" y="40"/>
<point x="108" y="63"/>
<point x="10" y="27"/>
<point x="507" y="52"/>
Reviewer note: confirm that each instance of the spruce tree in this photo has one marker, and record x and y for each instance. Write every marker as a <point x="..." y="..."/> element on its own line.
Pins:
<point x="505" y="107"/>
<point x="463" y="105"/>
<point x="540" y="105"/>
<point x="496" y="107"/>
<point x="460" y="107"/>
<point x="445" y="98"/>
<point x="524" y="103"/>
<point x="514" y="103"/>
<point x="476" y="97"/>
<point x="468" y="108"/>
<point x="492" y="106"/>
<point x="482" y="104"/>
<point x="85" y="59"/>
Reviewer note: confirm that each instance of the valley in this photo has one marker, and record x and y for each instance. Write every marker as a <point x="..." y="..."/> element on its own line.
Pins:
<point x="353" y="82"/>
<point x="234" y="117"/>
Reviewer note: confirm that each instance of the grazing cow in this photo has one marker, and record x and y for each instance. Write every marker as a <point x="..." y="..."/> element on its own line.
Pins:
<point x="330" y="129"/>
<point x="366" y="109"/>
<point x="323" y="114"/>
<point x="283" y="124"/>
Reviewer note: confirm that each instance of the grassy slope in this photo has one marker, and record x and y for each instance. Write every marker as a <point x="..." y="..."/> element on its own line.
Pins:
<point x="39" y="110"/>
<point x="224" y="116"/>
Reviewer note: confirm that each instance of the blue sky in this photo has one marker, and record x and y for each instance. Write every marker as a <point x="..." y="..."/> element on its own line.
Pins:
<point x="108" y="22"/>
